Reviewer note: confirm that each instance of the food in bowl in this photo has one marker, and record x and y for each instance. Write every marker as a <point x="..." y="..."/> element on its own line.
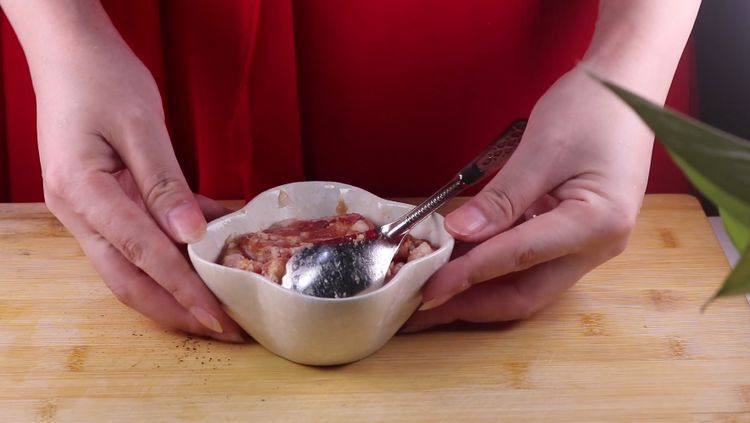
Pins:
<point x="267" y="252"/>
<point x="302" y="328"/>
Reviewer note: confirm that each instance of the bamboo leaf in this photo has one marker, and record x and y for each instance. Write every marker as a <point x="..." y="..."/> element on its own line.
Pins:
<point x="728" y="204"/>
<point x="716" y="162"/>
<point x="737" y="282"/>
<point x="739" y="234"/>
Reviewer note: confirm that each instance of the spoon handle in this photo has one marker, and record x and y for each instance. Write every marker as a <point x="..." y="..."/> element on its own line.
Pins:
<point x="490" y="161"/>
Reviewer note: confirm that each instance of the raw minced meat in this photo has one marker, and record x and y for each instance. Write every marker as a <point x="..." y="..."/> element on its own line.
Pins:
<point x="268" y="251"/>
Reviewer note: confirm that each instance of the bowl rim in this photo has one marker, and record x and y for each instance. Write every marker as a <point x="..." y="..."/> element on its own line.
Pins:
<point x="194" y="256"/>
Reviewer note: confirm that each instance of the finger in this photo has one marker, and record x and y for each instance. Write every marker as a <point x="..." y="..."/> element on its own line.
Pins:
<point x="133" y="287"/>
<point x="138" y="291"/>
<point x="563" y="231"/>
<point x="145" y="148"/>
<point x="544" y="204"/>
<point x="519" y="183"/>
<point x="515" y="296"/>
<point x="100" y="201"/>
<point x="211" y="209"/>
<point x="129" y="188"/>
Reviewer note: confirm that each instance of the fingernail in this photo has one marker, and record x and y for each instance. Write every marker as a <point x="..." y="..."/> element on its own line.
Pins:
<point x="435" y="302"/>
<point x="467" y="220"/>
<point x="442" y="299"/>
<point x="187" y="223"/>
<point x="206" y="319"/>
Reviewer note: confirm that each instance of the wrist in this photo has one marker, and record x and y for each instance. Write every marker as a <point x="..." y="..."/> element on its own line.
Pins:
<point x="56" y="33"/>
<point x="638" y="43"/>
<point x="633" y="70"/>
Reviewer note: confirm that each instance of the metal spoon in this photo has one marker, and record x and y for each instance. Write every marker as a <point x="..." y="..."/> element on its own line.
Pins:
<point x="345" y="269"/>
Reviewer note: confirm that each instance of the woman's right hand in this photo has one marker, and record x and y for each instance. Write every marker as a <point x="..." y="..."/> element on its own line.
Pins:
<point x="111" y="177"/>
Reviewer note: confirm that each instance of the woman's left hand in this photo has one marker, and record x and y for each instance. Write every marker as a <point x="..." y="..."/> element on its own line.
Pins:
<point x="578" y="179"/>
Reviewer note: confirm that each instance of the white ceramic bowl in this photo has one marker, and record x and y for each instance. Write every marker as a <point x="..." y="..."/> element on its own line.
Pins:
<point x="310" y="330"/>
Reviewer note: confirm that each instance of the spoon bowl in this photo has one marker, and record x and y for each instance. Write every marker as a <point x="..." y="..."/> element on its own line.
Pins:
<point x="349" y="267"/>
<point x="343" y="269"/>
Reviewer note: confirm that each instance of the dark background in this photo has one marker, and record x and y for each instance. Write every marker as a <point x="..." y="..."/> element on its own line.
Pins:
<point x="722" y="44"/>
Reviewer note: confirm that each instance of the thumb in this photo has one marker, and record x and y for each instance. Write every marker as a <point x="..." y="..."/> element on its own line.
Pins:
<point x="501" y="202"/>
<point x="147" y="152"/>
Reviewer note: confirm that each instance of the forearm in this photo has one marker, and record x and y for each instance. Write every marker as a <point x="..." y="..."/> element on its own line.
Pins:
<point x="638" y="43"/>
<point x="51" y="31"/>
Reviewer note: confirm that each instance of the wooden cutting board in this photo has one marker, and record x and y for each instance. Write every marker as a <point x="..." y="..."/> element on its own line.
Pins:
<point x="628" y="342"/>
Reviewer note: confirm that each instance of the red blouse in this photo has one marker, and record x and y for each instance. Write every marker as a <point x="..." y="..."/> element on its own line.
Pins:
<point x="390" y="95"/>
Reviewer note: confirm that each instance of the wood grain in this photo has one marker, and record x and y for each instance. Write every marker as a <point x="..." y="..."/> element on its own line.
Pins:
<point x="627" y="343"/>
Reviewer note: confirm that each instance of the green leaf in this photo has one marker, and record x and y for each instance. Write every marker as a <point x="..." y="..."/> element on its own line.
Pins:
<point x="737" y="282"/>
<point x="720" y="157"/>
<point x="728" y="204"/>
<point x="739" y="234"/>
<point x="716" y="162"/>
